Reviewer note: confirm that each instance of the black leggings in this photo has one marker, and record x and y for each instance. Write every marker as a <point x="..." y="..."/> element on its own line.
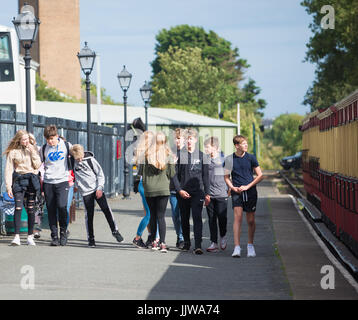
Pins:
<point x="103" y="204"/>
<point x="157" y="207"/>
<point x="217" y="210"/>
<point x="30" y="196"/>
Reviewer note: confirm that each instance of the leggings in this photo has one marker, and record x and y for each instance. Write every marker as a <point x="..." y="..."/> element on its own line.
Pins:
<point x="29" y="206"/>
<point x="103" y="204"/>
<point x="144" y="222"/>
<point x="158" y="206"/>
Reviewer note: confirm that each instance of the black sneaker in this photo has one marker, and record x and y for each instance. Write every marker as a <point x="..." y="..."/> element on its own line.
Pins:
<point x="186" y="246"/>
<point x="181" y="245"/>
<point x="118" y="236"/>
<point x="148" y="244"/>
<point x="55" y="242"/>
<point x="63" y="238"/>
<point x="91" y="243"/>
<point x="198" y="251"/>
<point x="139" y="243"/>
<point x="177" y="243"/>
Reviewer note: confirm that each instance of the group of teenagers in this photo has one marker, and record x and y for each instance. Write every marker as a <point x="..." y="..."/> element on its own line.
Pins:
<point x="186" y="177"/>
<point x="191" y="179"/>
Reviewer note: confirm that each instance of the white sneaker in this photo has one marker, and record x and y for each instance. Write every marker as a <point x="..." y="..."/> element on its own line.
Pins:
<point x="237" y="252"/>
<point x="251" y="250"/>
<point x="223" y="243"/>
<point x="213" y="247"/>
<point x="30" y="241"/>
<point x="16" y="241"/>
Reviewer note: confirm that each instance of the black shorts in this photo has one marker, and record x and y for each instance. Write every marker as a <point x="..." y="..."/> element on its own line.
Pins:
<point x="247" y="200"/>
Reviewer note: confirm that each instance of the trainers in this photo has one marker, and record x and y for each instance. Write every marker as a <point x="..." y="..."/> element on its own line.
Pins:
<point x="186" y="246"/>
<point x="237" y="252"/>
<point x="223" y="243"/>
<point x="148" y="244"/>
<point x="54" y="242"/>
<point x="198" y="251"/>
<point x="118" y="236"/>
<point x="163" y="248"/>
<point x="16" y="241"/>
<point x="155" y="245"/>
<point x="63" y="238"/>
<point x="181" y="245"/>
<point x="213" y="247"/>
<point x="91" y="243"/>
<point x="37" y="235"/>
<point x="30" y="240"/>
<point x="251" y="250"/>
<point x="139" y="243"/>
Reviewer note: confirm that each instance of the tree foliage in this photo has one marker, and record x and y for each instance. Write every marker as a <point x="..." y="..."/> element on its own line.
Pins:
<point x="285" y="133"/>
<point x="187" y="79"/>
<point x="217" y="50"/>
<point x="334" y="51"/>
<point x="197" y="69"/>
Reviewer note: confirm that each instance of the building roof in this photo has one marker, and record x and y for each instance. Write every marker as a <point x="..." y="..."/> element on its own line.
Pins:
<point x="115" y="114"/>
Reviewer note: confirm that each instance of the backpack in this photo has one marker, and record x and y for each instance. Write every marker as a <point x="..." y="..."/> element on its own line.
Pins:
<point x="70" y="158"/>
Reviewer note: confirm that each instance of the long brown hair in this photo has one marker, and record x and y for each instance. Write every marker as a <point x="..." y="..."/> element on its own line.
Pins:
<point x="15" y="142"/>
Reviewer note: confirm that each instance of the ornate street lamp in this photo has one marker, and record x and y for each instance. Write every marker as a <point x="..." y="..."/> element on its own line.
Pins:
<point x="146" y="92"/>
<point x="27" y="26"/>
<point x="86" y="58"/>
<point x="124" y="78"/>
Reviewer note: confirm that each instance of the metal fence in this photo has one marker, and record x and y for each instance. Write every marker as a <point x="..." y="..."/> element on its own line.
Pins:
<point x="104" y="143"/>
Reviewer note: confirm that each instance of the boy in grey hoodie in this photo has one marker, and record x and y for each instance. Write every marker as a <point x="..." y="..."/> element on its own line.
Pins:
<point x="89" y="179"/>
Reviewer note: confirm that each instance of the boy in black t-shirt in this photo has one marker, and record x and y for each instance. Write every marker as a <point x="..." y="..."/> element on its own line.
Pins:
<point x="243" y="191"/>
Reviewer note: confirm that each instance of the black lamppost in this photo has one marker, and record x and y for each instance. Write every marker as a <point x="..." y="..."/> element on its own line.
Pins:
<point x="86" y="57"/>
<point x="124" y="78"/>
<point x="146" y="92"/>
<point x="27" y="26"/>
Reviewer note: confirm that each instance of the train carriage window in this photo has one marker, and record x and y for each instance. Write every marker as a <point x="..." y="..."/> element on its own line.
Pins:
<point x="6" y="61"/>
<point x="5" y="50"/>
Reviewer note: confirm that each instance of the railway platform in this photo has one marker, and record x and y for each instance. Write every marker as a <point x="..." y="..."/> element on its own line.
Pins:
<point x="292" y="263"/>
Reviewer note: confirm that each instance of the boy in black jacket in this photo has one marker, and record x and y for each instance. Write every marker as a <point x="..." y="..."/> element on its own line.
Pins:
<point x="192" y="184"/>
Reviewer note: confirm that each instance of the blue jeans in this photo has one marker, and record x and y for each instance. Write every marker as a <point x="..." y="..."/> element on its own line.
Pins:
<point x="176" y="215"/>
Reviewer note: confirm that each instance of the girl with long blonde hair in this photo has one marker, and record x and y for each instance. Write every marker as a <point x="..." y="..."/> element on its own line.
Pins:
<point x="144" y="142"/>
<point x="21" y="179"/>
<point x="157" y="170"/>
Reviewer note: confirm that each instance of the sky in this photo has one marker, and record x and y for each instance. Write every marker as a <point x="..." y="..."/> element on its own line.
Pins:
<point x="270" y="34"/>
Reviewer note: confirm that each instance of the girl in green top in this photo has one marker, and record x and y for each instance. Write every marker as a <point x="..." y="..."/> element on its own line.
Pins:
<point x="156" y="171"/>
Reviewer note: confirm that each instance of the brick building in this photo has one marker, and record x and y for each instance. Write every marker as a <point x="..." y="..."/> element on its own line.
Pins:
<point x="58" y="43"/>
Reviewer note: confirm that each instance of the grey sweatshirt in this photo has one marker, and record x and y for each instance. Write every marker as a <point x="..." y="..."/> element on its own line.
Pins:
<point x="55" y="164"/>
<point x="218" y="187"/>
<point x="86" y="179"/>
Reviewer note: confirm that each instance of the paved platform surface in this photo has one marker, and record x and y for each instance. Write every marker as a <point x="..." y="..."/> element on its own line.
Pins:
<point x="288" y="263"/>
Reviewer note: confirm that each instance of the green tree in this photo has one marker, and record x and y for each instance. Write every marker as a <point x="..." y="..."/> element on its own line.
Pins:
<point x="188" y="80"/>
<point x="285" y="133"/>
<point x="214" y="48"/>
<point x="334" y="51"/>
